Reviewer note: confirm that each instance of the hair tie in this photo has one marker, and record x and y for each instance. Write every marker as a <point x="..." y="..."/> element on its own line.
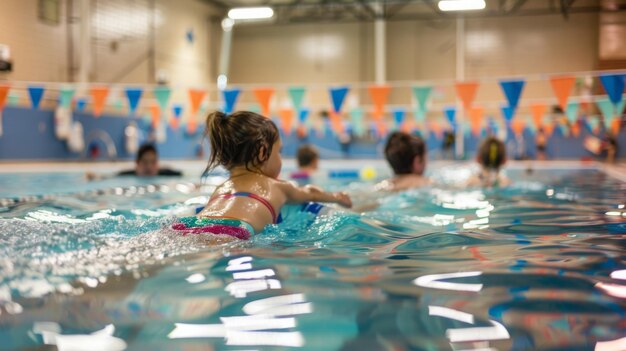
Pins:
<point x="493" y="153"/>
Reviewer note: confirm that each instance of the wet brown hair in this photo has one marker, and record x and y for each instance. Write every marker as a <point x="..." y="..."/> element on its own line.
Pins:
<point x="401" y="149"/>
<point x="239" y="139"/>
<point x="492" y="153"/>
<point x="306" y="155"/>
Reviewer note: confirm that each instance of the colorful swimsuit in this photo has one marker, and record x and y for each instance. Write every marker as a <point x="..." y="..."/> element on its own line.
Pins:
<point x="223" y="225"/>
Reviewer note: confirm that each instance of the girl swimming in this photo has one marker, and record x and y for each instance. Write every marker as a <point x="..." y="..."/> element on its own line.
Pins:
<point x="491" y="157"/>
<point x="248" y="146"/>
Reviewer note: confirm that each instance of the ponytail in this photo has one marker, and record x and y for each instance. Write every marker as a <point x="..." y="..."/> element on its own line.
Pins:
<point x="492" y="153"/>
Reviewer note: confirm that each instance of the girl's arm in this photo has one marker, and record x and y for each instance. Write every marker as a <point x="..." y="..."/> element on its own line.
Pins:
<point x="312" y="193"/>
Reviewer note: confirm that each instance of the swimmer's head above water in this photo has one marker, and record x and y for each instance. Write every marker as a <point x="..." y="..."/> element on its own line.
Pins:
<point x="491" y="154"/>
<point x="406" y="154"/>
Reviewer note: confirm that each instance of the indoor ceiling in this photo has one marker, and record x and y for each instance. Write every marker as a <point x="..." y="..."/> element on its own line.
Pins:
<point x="297" y="11"/>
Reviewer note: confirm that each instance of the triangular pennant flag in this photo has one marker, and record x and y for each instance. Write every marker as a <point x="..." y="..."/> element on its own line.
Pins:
<point x="518" y="126"/>
<point x="230" y="99"/>
<point x="562" y="87"/>
<point x="297" y="95"/>
<point x="614" y="86"/>
<point x="81" y="104"/>
<point x="549" y="128"/>
<point x="398" y="118"/>
<point x="467" y="93"/>
<point x="338" y="95"/>
<point x="133" y="95"/>
<point x="195" y="97"/>
<point x="36" y="93"/>
<point x="607" y="109"/>
<point x="508" y="113"/>
<point x="336" y="123"/>
<point x="263" y="97"/>
<point x="177" y="111"/>
<point x="615" y="126"/>
<point x="162" y="96"/>
<point x="13" y="99"/>
<point x="4" y="92"/>
<point x="421" y="96"/>
<point x="155" y="114"/>
<point x="476" y="119"/>
<point x="538" y="111"/>
<point x="98" y="98"/>
<point x="450" y="113"/>
<point x="286" y="120"/>
<point x="593" y="124"/>
<point x="572" y="112"/>
<point x="436" y="129"/>
<point x="379" y="95"/>
<point x="512" y="90"/>
<point x="619" y="108"/>
<point x="420" y="115"/>
<point x="303" y="115"/>
<point x="356" y="117"/>
<point x="65" y="96"/>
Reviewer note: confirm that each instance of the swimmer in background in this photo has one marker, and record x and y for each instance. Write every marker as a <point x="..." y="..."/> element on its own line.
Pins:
<point x="248" y="146"/>
<point x="146" y="165"/>
<point x="541" y="141"/>
<point x="308" y="162"/>
<point x="406" y="155"/>
<point x="491" y="157"/>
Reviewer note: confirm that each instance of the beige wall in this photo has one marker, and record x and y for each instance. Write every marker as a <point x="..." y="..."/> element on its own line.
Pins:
<point x="38" y="50"/>
<point x="416" y="50"/>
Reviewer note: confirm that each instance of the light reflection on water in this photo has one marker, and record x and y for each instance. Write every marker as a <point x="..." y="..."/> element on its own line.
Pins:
<point x="521" y="268"/>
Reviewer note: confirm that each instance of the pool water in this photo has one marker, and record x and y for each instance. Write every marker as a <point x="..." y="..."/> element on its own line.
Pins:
<point x="540" y="265"/>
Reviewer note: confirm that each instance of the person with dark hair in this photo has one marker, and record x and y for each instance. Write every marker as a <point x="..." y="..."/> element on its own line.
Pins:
<point x="491" y="157"/>
<point x="248" y="146"/>
<point x="406" y="155"/>
<point x="146" y="165"/>
<point x="307" y="158"/>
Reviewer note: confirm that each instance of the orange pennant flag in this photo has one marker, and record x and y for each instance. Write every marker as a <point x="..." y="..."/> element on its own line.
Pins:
<point x="538" y="110"/>
<point x="562" y="87"/>
<point x="99" y="97"/>
<point x="381" y="128"/>
<point x="263" y="97"/>
<point x="467" y="93"/>
<point x="407" y="125"/>
<point x="286" y="119"/>
<point x="575" y="129"/>
<point x="476" y="119"/>
<point x="155" y="113"/>
<point x="518" y="126"/>
<point x="379" y="95"/>
<point x="173" y="123"/>
<point x="196" y="96"/>
<point x="549" y="128"/>
<point x="4" y="92"/>
<point x="301" y="131"/>
<point x="615" y="126"/>
<point x="336" y="122"/>
<point x="436" y="128"/>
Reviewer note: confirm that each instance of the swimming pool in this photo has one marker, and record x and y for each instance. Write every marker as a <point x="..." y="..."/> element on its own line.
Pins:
<point x="540" y="265"/>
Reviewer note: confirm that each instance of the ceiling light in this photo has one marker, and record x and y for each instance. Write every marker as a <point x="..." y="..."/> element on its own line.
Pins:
<point x="461" y="5"/>
<point x="248" y="13"/>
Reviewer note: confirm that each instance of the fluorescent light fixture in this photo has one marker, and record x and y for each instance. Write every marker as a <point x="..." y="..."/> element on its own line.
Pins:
<point x="250" y="13"/>
<point x="460" y="5"/>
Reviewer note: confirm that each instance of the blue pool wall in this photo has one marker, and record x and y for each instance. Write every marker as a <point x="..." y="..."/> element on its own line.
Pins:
<point x="29" y="135"/>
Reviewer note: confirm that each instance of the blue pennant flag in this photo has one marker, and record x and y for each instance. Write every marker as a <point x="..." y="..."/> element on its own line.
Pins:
<point x="614" y="86"/>
<point x="80" y="104"/>
<point x="450" y="113"/>
<point x="133" y="95"/>
<point x="230" y="99"/>
<point x="177" y="110"/>
<point x="398" y="117"/>
<point x="303" y="115"/>
<point x="512" y="90"/>
<point x="338" y="95"/>
<point x="508" y="113"/>
<point x="35" y="93"/>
